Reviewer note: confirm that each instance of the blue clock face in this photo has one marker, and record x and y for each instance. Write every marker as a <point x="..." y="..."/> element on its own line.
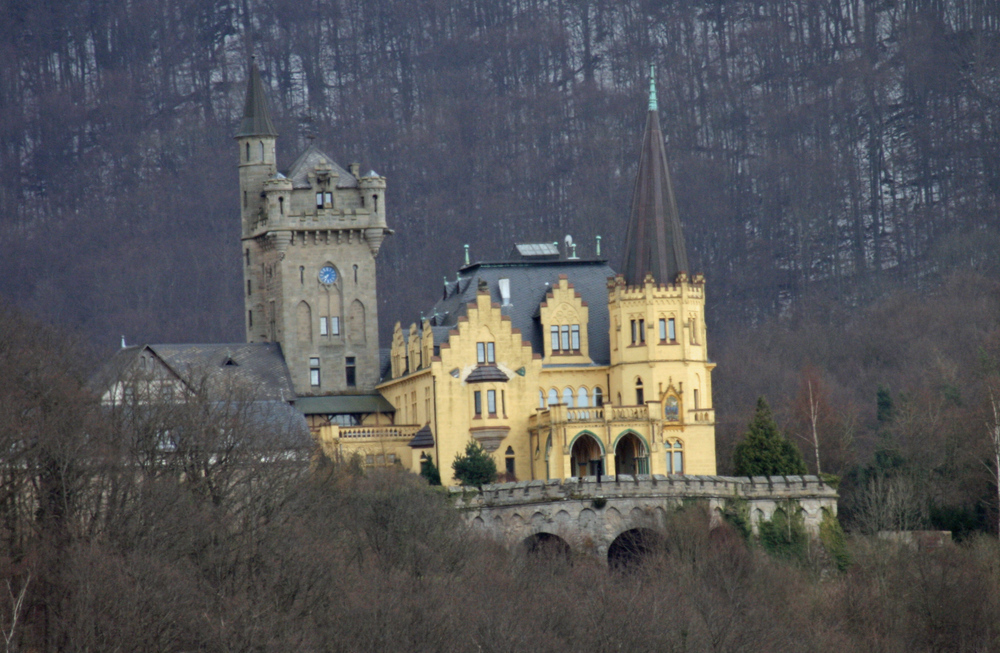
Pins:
<point x="327" y="275"/>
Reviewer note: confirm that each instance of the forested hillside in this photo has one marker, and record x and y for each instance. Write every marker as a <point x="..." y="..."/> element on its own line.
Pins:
<point x="831" y="149"/>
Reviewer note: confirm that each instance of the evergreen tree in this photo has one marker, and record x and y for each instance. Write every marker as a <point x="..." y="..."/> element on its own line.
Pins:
<point x="764" y="451"/>
<point x="475" y="467"/>
<point x="430" y="471"/>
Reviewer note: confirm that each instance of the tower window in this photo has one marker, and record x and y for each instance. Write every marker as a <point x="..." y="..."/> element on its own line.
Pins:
<point x="248" y="256"/>
<point x="319" y="200"/>
<point x="250" y="319"/>
<point x="693" y="330"/>
<point x="302" y="274"/>
<point x="635" y="332"/>
<point x="314" y="372"/>
<point x="248" y="153"/>
<point x="262" y="151"/>
<point x="672" y="330"/>
<point x="696" y="398"/>
<point x="248" y="288"/>
<point x="642" y="331"/>
<point x="350" y="369"/>
<point x="375" y="202"/>
<point x="244" y="199"/>
<point x="324" y="327"/>
<point x="355" y="273"/>
<point x="335" y="326"/>
<point x="281" y="205"/>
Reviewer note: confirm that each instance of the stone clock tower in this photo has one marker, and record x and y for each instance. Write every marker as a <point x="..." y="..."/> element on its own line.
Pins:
<point x="309" y="241"/>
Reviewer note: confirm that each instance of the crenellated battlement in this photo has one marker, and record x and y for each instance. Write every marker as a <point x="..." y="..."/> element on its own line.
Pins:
<point x="643" y="486"/>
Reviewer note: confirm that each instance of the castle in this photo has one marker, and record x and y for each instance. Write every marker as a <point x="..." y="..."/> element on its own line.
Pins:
<point x="556" y="364"/>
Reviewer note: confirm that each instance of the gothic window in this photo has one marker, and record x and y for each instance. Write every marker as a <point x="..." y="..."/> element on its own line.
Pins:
<point x="314" y="372"/>
<point x="635" y="331"/>
<point x="351" y="372"/>
<point x="598" y="397"/>
<point x="564" y="332"/>
<point x="541" y="400"/>
<point x="639" y="398"/>
<point x="582" y="397"/>
<point x="304" y="319"/>
<point x="567" y="397"/>
<point x="485" y="353"/>
<point x="672" y="330"/>
<point x="262" y="151"/>
<point x="509" y="460"/>
<point x="356" y="322"/>
<point x="553" y="396"/>
<point x="695" y="397"/>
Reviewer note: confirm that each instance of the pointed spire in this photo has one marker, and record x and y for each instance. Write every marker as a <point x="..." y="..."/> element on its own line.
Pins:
<point x="256" y="117"/>
<point x="654" y="242"/>
<point x="652" y="88"/>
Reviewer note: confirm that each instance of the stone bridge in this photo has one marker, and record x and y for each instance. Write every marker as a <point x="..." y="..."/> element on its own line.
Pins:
<point x="609" y="516"/>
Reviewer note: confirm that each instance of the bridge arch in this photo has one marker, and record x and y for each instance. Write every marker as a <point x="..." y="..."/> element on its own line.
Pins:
<point x="547" y="546"/>
<point x="631" y="547"/>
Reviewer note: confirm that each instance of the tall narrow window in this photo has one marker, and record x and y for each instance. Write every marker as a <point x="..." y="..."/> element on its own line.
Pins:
<point x="477" y="399"/>
<point x="635" y="332"/>
<point x="328" y="199"/>
<point x="375" y="202"/>
<point x="663" y="329"/>
<point x="324" y="326"/>
<point x="245" y="201"/>
<point x="355" y="273"/>
<point x="350" y="369"/>
<point x="574" y="334"/>
<point x="250" y="319"/>
<point x="248" y="288"/>
<point x="567" y="397"/>
<point x="541" y="400"/>
<point x="696" y="398"/>
<point x="675" y="458"/>
<point x="564" y="331"/>
<point x="491" y="402"/>
<point x="503" y="403"/>
<point x="639" y="398"/>
<point x="248" y="153"/>
<point x="302" y="274"/>
<point x="314" y="372"/>
<point x="261" y="148"/>
<point x="642" y="331"/>
<point x="598" y="397"/>
<point x="490" y="353"/>
<point x="553" y="397"/>
<point x="319" y="200"/>
<point x="335" y="326"/>
<point x="672" y="330"/>
<point x="555" y="339"/>
<point x="480" y="352"/>
<point x="692" y="326"/>
<point x="248" y="256"/>
<point x="509" y="461"/>
<point x="281" y="205"/>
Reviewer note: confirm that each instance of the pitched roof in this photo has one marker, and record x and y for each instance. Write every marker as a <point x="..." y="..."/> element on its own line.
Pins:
<point x="422" y="439"/>
<point x="216" y="368"/>
<point x="256" y="116"/>
<point x="529" y="282"/>
<point x="307" y="162"/>
<point x="654" y="242"/>
<point x="486" y="373"/>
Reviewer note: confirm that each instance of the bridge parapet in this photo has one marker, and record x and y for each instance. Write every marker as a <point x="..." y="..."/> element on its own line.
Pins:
<point x="773" y="488"/>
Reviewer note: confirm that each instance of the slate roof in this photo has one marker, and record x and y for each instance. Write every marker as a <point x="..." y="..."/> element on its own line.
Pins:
<point x="654" y="241"/>
<point x="422" y="439"/>
<point x="486" y="373"/>
<point x="219" y="367"/>
<point x="529" y="282"/>
<point x="307" y="162"/>
<point x="256" y="116"/>
<point x="344" y="405"/>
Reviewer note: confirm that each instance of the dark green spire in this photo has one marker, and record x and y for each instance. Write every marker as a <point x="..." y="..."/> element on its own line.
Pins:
<point x="654" y="242"/>
<point x="256" y="117"/>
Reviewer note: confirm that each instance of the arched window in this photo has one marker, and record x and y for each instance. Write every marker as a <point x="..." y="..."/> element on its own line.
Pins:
<point x="582" y="397"/>
<point x="262" y="151"/>
<point x="567" y="397"/>
<point x="598" y="397"/>
<point x="639" y="397"/>
<point x="248" y="153"/>
<point x="541" y="400"/>
<point x="553" y="396"/>
<point x="675" y="458"/>
<point x="509" y="460"/>
<point x="355" y="273"/>
<point x="281" y="205"/>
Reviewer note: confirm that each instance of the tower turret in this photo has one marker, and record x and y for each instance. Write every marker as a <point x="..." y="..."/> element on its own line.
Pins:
<point x="256" y="138"/>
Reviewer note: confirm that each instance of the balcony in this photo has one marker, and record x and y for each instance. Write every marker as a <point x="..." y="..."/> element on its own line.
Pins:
<point x="561" y="414"/>
<point x="373" y="432"/>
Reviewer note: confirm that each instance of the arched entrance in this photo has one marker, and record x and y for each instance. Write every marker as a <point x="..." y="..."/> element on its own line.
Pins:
<point x="631" y="456"/>
<point x="586" y="456"/>
<point x="631" y="547"/>
<point x="546" y="546"/>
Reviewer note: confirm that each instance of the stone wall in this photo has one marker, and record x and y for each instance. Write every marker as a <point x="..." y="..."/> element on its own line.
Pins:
<point x="590" y="513"/>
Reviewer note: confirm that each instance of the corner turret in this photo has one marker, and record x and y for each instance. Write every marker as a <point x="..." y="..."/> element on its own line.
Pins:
<point x="256" y="138"/>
